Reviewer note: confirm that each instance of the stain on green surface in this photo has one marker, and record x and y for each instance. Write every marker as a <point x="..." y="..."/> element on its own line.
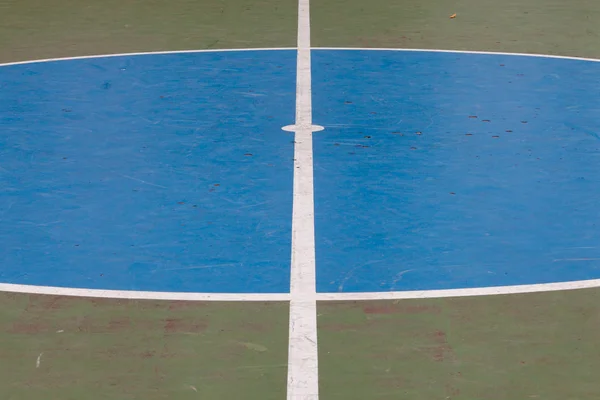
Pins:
<point x="74" y="348"/>
<point x="34" y="29"/>
<point x="532" y="346"/>
<point x="559" y="27"/>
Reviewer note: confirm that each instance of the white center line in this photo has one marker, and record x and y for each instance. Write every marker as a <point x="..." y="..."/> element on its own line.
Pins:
<point x="303" y="365"/>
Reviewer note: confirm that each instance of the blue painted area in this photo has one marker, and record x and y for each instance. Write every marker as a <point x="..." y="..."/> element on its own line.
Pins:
<point x="171" y="172"/>
<point x="501" y="186"/>
<point x="154" y="172"/>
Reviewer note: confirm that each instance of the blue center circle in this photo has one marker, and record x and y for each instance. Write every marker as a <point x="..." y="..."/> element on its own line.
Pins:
<point x="170" y="172"/>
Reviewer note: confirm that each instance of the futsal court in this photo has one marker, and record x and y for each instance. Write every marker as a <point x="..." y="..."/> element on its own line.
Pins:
<point x="308" y="200"/>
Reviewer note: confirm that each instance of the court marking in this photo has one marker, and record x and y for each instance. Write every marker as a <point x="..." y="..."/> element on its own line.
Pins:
<point x="148" y="53"/>
<point x="141" y="295"/>
<point x="303" y="358"/>
<point x="496" y="53"/>
<point x="467" y="292"/>
<point x="267" y="297"/>
<point x="354" y="296"/>
<point x="47" y="60"/>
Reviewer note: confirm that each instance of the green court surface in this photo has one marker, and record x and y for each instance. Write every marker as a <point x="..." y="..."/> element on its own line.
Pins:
<point x="72" y="348"/>
<point x="528" y="346"/>
<point x="528" y="26"/>
<point x="33" y="29"/>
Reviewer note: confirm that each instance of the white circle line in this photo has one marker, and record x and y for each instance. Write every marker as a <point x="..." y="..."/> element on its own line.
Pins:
<point x="148" y="53"/>
<point x="466" y="292"/>
<point x="496" y="53"/>
<point x="267" y="297"/>
<point x="141" y="295"/>
<point x="46" y="60"/>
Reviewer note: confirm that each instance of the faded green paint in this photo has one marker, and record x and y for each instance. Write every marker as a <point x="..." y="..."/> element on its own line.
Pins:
<point x="33" y="29"/>
<point x="531" y="26"/>
<point x="533" y="346"/>
<point x="118" y="349"/>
